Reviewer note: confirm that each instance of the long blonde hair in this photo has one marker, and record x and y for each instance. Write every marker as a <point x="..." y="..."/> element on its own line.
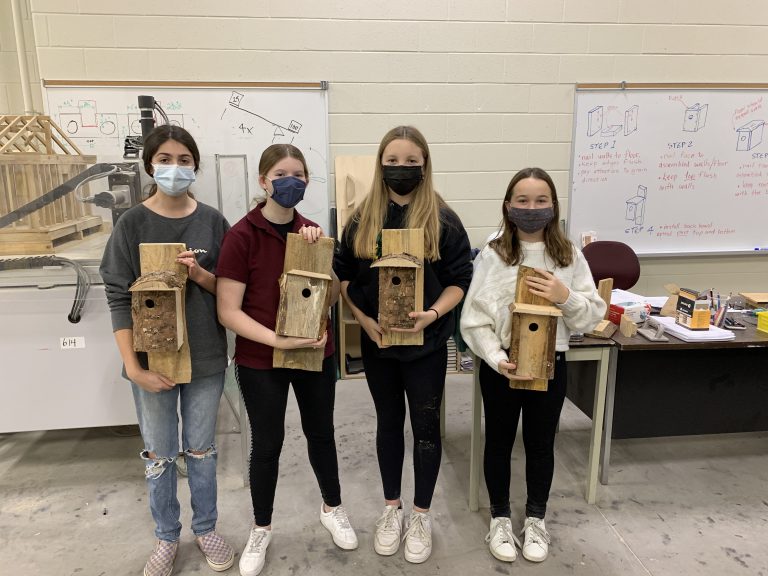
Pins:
<point x="423" y="210"/>
<point x="556" y="244"/>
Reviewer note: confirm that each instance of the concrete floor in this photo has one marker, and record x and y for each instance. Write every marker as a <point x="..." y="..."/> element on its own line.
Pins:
<point x="74" y="502"/>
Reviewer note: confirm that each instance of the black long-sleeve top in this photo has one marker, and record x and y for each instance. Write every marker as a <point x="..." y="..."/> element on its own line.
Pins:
<point x="454" y="268"/>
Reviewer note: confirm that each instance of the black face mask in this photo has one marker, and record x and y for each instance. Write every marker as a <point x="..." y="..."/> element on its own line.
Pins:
<point x="402" y="180"/>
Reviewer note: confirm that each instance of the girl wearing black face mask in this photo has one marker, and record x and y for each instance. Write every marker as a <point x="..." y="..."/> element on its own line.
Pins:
<point x="531" y="236"/>
<point x="251" y="263"/>
<point x="402" y="196"/>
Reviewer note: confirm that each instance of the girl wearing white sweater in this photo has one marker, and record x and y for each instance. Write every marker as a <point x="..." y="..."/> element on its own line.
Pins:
<point x="531" y="236"/>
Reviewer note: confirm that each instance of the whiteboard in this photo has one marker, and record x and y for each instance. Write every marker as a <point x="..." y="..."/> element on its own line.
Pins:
<point x="671" y="171"/>
<point x="235" y="122"/>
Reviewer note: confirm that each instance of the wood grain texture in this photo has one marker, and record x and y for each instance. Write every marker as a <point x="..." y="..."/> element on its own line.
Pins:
<point x="533" y="335"/>
<point x="406" y="241"/>
<point x="523" y="295"/>
<point x="317" y="257"/>
<point x="175" y="365"/>
<point x="303" y="308"/>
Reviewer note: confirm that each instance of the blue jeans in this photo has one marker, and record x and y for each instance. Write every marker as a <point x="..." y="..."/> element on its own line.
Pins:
<point x="159" y="423"/>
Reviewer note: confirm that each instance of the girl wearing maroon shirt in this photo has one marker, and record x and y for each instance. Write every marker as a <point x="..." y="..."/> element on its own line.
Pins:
<point x="248" y="295"/>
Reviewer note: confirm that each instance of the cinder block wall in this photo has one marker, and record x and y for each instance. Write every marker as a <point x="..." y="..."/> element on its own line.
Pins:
<point x="490" y="82"/>
<point x="11" y="100"/>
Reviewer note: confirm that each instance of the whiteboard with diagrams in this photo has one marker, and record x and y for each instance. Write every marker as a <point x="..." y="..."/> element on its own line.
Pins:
<point x="231" y="124"/>
<point x="671" y="170"/>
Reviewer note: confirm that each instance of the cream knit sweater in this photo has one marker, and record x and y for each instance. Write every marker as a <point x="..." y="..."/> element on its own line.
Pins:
<point x="485" y="317"/>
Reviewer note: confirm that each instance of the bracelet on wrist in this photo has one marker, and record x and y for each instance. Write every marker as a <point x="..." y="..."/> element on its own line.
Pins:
<point x="437" y="314"/>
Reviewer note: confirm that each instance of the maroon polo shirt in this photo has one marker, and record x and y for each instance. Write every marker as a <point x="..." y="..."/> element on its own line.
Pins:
<point x="253" y="253"/>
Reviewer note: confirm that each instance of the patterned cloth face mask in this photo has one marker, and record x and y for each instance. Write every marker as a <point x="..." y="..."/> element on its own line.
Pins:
<point x="530" y="220"/>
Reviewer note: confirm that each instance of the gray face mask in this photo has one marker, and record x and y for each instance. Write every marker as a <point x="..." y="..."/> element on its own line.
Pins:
<point x="530" y="220"/>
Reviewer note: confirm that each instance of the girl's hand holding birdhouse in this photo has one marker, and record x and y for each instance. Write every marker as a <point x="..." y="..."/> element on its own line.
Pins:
<point x="197" y="273"/>
<point x="505" y="369"/>
<point x="291" y="343"/>
<point x="372" y="328"/>
<point x="550" y="287"/>
<point x="311" y="233"/>
<point x="423" y="319"/>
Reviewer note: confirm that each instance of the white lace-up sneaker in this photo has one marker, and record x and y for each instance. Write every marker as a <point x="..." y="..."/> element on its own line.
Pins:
<point x="501" y="540"/>
<point x="536" y="544"/>
<point x="418" y="537"/>
<point x="389" y="527"/>
<point x="337" y="523"/>
<point x="255" y="552"/>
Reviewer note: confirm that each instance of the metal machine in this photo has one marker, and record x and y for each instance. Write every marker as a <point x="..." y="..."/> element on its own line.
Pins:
<point x="61" y="368"/>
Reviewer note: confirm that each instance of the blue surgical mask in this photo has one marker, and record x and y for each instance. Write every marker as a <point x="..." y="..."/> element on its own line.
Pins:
<point x="288" y="191"/>
<point x="173" y="180"/>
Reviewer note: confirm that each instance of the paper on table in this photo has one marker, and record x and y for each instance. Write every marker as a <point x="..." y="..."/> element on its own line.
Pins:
<point x="714" y="334"/>
<point x="619" y="296"/>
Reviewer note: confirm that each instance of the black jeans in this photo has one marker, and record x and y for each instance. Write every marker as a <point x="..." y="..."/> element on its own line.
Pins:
<point x="265" y="393"/>
<point x="422" y="381"/>
<point x="541" y="412"/>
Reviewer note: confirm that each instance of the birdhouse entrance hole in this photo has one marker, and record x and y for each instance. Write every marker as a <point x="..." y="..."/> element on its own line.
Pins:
<point x="533" y="326"/>
<point x="149" y="303"/>
<point x="306" y="293"/>
<point x="396" y="280"/>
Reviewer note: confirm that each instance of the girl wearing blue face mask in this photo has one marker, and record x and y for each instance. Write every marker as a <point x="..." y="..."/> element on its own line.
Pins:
<point x="171" y="215"/>
<point x="530" y="235"/>
<point x="250" y="266"/>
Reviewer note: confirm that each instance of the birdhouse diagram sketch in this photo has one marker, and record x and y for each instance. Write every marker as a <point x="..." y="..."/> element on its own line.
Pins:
<point x="604" y="122"/>
<point x="630" y="119"/>
<point x="749" y="135"/>
<point x="695" y="117"/>
<point x="281" y="134"/>
<point x="636" y="206"/>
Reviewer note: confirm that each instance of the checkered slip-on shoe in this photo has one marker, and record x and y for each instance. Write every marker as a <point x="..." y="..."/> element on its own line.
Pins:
<point x="161" y="561"/>
<point x="217" y="552"/>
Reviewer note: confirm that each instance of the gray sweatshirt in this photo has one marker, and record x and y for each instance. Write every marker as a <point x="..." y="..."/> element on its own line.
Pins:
<point x="201" y="231"/>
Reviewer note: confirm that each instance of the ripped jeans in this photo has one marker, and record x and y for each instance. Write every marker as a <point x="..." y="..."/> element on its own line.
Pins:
<point x="159" y="423"/>
<point x="422" y="381"/>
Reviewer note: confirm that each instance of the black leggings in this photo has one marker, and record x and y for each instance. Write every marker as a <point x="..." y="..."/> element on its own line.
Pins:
<point x="422" y="381"/>
<point x="265" y="393"/>
<point x="541" y="412"/>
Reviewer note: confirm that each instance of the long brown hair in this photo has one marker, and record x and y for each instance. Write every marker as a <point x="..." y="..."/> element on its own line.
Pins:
<point x="557" y="246"/>
<point x="159" y="136"/>
<point x="423" y="210"/>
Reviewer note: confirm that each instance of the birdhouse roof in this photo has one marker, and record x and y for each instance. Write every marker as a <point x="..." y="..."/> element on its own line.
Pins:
<point x="309" y="274"/>
<point x="157" y="281"/>
<point x="397" y="261"/>
<point x="535" y="310"/>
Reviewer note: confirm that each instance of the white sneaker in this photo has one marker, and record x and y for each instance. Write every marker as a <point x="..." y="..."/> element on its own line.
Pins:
<point x="255" y="552"/>
<point x="389" y="527"/>
<point x="536" y="544"/>
<point x="418" y="537"/>
<point x="337" y="523"/>
<point x="501" y="540"/>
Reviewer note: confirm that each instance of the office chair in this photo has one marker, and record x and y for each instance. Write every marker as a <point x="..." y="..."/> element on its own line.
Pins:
<point x="609" y="259"/>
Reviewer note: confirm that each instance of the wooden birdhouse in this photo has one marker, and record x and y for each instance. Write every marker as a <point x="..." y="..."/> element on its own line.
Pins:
<point x="305" y="265"/>
<point x="157" y="309"/>
<point x="532" y="345"/>
<point x="397" y="289"/>
<point x="304" y="301"/>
